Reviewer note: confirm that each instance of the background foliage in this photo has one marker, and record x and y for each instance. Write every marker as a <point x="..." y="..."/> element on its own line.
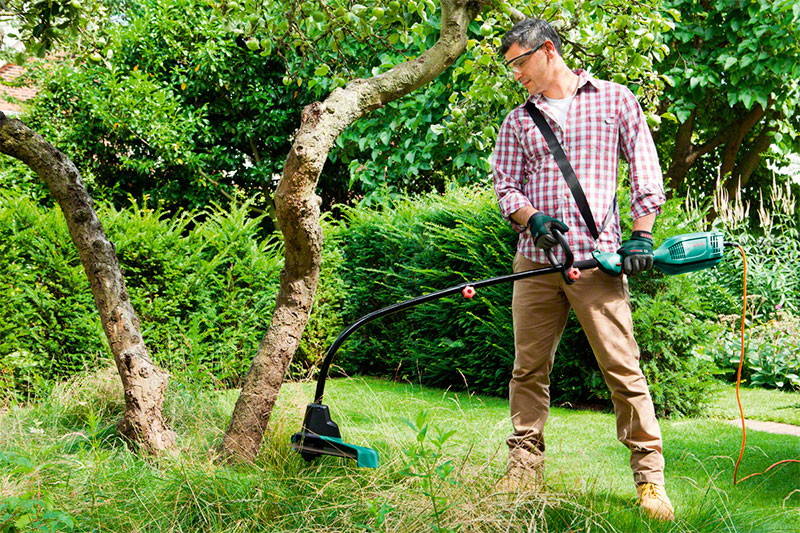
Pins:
<point x="203" y="296"/>
<point x="167" y="102"/>
<point x="727" y="61"/>
<point x="189" y="101"/>
<point x="186" y="103"/>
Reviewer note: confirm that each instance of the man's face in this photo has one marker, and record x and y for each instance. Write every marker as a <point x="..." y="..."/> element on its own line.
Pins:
<point x="528" y="66"/>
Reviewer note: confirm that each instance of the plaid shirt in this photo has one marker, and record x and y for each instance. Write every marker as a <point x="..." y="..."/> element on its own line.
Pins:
<point x="604" y="118"/>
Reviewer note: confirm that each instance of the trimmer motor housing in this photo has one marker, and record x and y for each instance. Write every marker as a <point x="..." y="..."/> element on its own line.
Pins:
<point x="689" y="252"/>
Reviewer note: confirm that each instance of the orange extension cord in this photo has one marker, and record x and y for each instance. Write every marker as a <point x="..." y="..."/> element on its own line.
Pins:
<point x="739" y="379"/>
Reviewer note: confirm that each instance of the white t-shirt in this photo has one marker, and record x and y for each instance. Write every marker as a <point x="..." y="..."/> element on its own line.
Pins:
<point x="560" y="108"/>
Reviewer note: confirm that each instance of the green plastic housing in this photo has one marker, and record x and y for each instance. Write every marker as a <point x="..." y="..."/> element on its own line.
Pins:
<point x="608" y="262"/>
<point x="365" y="457"/>
<point x="689" y="252"/>
<point x="677" y="255"/>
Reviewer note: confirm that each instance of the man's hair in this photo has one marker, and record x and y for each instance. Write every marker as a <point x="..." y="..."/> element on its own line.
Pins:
<point x="530" y="33"/>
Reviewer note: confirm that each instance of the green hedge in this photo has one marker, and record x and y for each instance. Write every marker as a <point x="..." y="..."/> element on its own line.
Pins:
<point x="204" y="287"/>
<point x="418" y="246"/>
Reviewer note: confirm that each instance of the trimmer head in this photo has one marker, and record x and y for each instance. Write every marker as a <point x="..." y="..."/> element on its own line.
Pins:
<point x="320" y="436"/>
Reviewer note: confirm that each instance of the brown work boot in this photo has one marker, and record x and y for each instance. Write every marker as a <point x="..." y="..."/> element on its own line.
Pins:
<point x="654" y="502"/>
<point x="524" y="472"/>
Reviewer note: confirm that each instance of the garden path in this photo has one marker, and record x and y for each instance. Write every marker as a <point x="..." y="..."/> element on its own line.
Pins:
<point x="769" y="427"/>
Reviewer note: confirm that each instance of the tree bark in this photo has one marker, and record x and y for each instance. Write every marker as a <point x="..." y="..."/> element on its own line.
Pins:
<point x="681" y="155"/>
<point x="686" y="153"/>
<point x="734" y="143"/>
<point x="143" y="382"/>
<point x="298" y="216"/>
<point x="748" y="163"/>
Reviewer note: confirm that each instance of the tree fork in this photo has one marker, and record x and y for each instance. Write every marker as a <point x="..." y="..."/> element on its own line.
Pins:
<point x="686" y="153"/>
<point x="143" y="382"/>
<point x="749" y="161"/>
<point x="735" y="141"/>
<point x="298" y="216"/>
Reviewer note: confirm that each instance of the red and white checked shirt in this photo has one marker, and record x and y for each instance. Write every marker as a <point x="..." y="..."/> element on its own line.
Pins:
<point x="603" y="120"/>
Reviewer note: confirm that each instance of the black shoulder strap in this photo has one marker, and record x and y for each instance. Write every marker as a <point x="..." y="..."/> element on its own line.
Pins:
<point x="566" y="170"/>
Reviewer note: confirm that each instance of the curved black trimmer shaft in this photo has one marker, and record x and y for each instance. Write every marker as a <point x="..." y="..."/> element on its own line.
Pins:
<point x="320" y="435"/>
<point x="569" y="269"/>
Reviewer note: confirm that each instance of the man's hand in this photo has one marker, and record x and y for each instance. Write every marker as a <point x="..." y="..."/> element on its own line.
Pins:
<point x="637" y="253"/>
<point x="541" y="227"/>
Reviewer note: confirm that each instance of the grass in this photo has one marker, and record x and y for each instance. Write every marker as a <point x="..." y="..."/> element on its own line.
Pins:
<point x="64" y="453"/>
<point x="758" y="404"/>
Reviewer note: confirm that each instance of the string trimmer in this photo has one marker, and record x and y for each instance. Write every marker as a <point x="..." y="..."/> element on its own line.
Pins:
<point x="677" y="255"/>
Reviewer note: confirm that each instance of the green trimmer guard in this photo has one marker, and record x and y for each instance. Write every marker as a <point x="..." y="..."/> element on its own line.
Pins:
<point x="320" y="436"/>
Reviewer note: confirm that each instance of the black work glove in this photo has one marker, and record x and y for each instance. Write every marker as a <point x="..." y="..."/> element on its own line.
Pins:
<point x="541" y="227"/>
<point x="637" y="253"/>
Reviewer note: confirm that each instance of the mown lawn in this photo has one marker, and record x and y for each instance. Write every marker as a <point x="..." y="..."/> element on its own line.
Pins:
<point x="63" y="451"/>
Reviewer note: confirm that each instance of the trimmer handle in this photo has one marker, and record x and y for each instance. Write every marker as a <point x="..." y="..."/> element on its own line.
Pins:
<point x="569" y="273"/>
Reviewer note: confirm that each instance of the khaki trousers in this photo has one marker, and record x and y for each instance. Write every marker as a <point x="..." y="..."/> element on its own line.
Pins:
<point x="540" y="307"/>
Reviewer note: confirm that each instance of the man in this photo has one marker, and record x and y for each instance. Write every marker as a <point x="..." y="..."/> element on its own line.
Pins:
<point x="594" y="121"/>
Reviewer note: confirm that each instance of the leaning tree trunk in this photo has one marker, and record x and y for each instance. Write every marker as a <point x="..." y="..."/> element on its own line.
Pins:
<point x="143" y="382"/>
<point x="298" y="216"/>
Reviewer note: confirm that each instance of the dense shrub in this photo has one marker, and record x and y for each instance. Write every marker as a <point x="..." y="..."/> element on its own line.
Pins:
<point x="204" y="296"/>
<point x="48" y="322"/>
<point x="422" y="245"/>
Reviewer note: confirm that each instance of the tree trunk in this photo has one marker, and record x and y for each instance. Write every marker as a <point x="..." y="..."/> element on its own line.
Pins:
<point x="744" y="169"/>
<point x="686" y="153"/>
<point x="143" y="382"/>
<point x="298" y="216"/>
<point x="731" y="151"/>
<point x="681" y="155"/>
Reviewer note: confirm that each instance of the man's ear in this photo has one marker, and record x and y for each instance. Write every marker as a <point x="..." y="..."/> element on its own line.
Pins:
<point x="549" y="49"/>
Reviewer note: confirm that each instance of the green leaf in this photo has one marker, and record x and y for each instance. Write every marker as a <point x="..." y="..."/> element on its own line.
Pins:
<point x="683" y="114"/>
<point x="730" y="62"/>
<point x="670" y="116"/>
<point x="421" y="418"/>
